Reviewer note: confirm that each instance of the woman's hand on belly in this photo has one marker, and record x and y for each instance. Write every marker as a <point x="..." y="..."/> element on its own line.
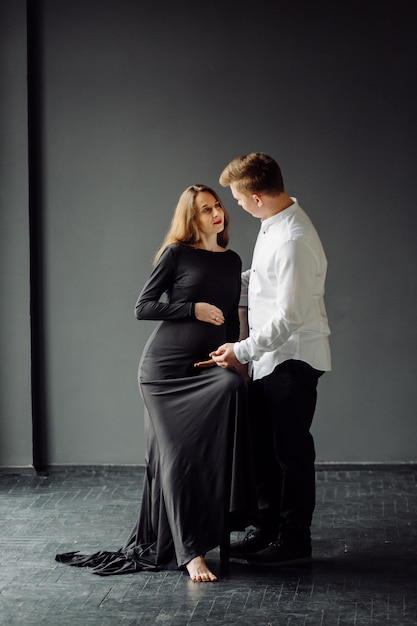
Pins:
<point x="209" y="313"/>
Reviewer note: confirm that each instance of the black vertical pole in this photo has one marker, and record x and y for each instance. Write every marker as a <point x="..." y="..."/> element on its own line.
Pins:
<point x="35" y="128"/>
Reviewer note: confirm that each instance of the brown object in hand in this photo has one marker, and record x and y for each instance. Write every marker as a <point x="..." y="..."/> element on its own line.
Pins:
<point x="208" y="363"/>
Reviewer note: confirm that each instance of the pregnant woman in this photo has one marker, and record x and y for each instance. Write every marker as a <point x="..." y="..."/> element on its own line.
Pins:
<point x="198" y="479"/>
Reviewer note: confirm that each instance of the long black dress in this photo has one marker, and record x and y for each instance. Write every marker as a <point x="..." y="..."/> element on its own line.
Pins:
<point x="199" y="479"/>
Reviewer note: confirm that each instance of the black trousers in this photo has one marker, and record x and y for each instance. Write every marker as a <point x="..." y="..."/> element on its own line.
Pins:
<point x="282" y="406"/>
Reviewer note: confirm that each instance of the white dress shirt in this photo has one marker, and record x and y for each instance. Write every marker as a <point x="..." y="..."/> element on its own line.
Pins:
<point x="285" y="296"/>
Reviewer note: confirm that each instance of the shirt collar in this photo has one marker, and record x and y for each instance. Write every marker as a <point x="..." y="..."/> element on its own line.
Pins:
<point x="274" y="219"/>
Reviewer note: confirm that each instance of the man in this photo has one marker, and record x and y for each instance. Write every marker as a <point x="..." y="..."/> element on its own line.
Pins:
<point x="287" y="350"/>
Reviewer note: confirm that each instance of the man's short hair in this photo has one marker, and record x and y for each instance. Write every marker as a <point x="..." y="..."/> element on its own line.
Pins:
<point x="253" y="173"/>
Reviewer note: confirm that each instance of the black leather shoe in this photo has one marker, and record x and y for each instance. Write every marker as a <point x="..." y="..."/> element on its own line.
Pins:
<point x="278" y="554"/>
<point x="253" y="541"/>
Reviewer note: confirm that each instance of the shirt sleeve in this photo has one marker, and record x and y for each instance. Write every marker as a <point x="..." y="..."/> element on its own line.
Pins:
<point x="149" y="306"/>
<point x="295" y="271"/>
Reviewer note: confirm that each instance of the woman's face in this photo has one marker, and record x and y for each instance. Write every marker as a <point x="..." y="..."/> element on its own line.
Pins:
<point x="210" y="215"/>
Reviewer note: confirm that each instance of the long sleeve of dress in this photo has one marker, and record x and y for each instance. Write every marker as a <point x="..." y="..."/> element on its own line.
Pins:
<point x="149" y="306"/>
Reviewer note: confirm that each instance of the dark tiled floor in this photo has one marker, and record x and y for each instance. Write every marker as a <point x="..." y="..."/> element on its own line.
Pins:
<point x="365" y="547"/>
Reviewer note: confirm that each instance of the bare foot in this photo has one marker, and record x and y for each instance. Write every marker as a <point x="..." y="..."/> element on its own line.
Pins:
<point x="199" y="572"/>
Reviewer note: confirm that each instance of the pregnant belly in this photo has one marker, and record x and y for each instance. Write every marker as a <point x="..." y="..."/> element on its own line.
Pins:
<point x="174" y="347"/>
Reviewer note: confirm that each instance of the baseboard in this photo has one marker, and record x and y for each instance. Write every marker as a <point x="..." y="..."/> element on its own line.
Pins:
<point x="364" y="465"/>
<point x="129" y="468"/>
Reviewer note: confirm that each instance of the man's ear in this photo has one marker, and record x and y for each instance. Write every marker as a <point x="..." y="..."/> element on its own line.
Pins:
<point x="258" y="198"/>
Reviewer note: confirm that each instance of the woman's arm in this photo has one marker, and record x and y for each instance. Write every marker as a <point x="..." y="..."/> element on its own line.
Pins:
<point x="148" y="305"/>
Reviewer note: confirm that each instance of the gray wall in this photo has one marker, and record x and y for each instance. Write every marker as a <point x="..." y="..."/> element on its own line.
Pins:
<point x="142" y="98"/>
<point x="15" y="368"/>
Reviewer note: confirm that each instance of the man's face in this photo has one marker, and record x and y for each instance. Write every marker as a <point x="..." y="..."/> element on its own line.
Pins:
<point x="247" y="201"/>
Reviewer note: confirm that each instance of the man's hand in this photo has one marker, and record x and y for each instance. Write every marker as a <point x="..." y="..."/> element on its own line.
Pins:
<point x="224" y="356"/>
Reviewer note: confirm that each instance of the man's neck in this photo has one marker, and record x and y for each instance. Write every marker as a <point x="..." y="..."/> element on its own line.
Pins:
<point x="276" y="204"/>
